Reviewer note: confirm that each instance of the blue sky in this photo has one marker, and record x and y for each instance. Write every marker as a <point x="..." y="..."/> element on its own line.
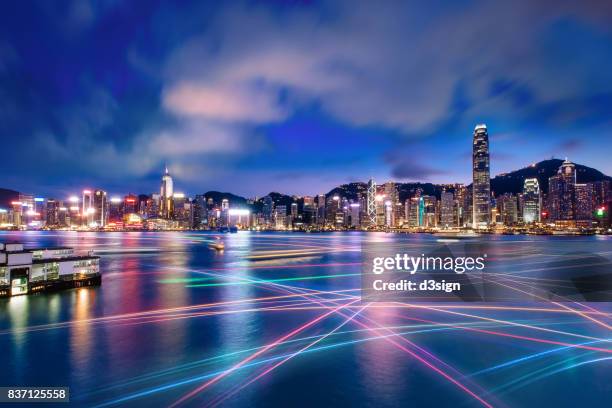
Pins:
<point x="295" y="96"/>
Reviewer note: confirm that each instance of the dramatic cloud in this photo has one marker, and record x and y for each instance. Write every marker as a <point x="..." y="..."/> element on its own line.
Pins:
<point x="231" y="103"/>
<point x="233" y="96"/>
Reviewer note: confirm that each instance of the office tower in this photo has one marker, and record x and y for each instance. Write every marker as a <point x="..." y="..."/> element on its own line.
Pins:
<point x="268" y="209"/>
<point x="63" y="216"/>
<point x="100" y="206"/>
<point x="481" y="180"/>
<point x="584" y="203"/>
<point x="406" y="213"/>
<point x="310" y="211"/>
<point x="280" y="216"/>
<point x="355" y="215"/>
<point x="371" y="203"/>
<point x="152" y="206"/>
<point x="16" y="216"/>
<point x="332" y="208"/>
<point x="294" y="212"/>
<point x="166" y="194"/>
<point x="198" y="208"/>
<point x="447" y="204"/>
<point x="143" y="202"/>
<point x="321" y="209"/>
<point x="507" y="209"/>
<point x="39" y="215"/>
<point x="602" y="194"/>
<point x="561" y="194"/>
<point x="461" y="210"/>
<point x="532" y="201"/>
<point x="416" y="212"/>
<point x="392" y="196"/>
<point x="115" y="210"/>
<point x="52" y="212"/>
<point x="130" y="203"/>
<point x="430" y="215"/>
<point x="602" y="202"/>
<point x="387" y="207"/>
<point x="520" y="198"/>
<point x="28" y="210"/>
<point x="87" y="208"/>
<point x="400" y="215"/>
<point x="182" y="210"/>
<point x="73" y="218"/>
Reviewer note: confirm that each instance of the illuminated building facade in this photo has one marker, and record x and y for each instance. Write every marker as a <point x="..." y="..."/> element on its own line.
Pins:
<point x="584" y="204"/>
<point x="447" y="204"/>
<point x="100" y="205"/>
<point x="532" y="201"/>
<point x="481" y="179"/>
<point x="371" y="203"/>
<point x="561" y="194"/>
<point x="166" y="196"/>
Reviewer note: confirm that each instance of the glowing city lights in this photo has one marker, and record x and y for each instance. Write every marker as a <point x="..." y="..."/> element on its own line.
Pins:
<point x="238" y="211"/>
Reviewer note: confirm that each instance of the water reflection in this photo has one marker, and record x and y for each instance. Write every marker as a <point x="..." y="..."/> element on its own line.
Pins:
<point x="81" y="347"/>
<point x="169" y="312"/>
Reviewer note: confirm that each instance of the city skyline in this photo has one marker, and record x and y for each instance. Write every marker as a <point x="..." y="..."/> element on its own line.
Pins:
<point x="296" y="97"/>
<point x="70" y="192"/>
<point x="570" y="205"/>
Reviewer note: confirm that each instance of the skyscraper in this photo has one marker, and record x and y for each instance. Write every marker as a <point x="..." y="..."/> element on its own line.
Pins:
<point x="532" y="201"/>
<point x="371" y="203"/>
<point x="100" y="208"/>
<point x="268" y="209"/>
<point x="391" y="196"/>
<point x="584" y="203"/>
<point x="507" y="208"/>
<point x="481" y="179"/>
<point x="198" y="206"/>
<point x="166" y="193"/>
<point x="52" y="212"/>
<point x="561" y="194"/>
<point x="446" y="209"/>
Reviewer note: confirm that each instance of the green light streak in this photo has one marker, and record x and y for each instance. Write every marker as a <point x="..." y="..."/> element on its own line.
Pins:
<point x="297" y="278"/>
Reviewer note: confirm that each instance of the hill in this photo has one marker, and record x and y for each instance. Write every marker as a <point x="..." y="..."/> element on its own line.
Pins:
<point x="513" y="182"/>
<point x="406" y="190"/>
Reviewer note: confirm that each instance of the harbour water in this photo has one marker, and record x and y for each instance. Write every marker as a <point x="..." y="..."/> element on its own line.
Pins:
<point x="273" y="320"/>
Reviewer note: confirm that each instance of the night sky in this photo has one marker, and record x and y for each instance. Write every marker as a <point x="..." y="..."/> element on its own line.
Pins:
<point x="295" y="96"/>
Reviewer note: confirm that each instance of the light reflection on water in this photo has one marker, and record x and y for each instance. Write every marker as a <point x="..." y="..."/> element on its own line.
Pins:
<point x="158" y="337"/>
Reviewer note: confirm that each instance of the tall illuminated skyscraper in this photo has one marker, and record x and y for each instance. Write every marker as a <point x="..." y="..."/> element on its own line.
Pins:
<point x="371" y="203"/>
<point x="481" y="178"/>
<point x="100" y="215"/>
<point x="561" y="194"/>
<point x="447" y="203"/>
<point x="532" y="201"/>
<point x="166" y="194"/>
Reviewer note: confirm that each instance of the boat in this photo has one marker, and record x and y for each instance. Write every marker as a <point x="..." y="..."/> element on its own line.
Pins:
<point x="217" y="245"/>
<point x="24" y="271"/>
<point x="233" y="230"/>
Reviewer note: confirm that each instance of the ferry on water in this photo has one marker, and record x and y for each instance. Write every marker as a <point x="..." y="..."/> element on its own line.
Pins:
<point x="34" y="270"/>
